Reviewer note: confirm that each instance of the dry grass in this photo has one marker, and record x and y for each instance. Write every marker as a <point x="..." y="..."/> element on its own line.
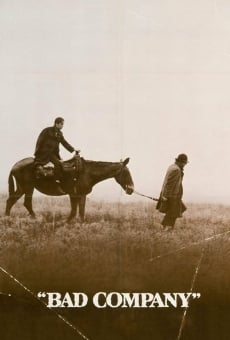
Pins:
<point x="116" y="249"/>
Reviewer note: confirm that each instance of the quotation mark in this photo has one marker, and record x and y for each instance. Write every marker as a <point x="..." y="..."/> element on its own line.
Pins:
<point x="41" y="295"/>
<point x="196" y="295"/>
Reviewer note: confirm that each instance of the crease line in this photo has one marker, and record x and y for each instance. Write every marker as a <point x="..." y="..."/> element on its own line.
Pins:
<point x="35" y="296"/>
<point x="191" y="290"/>
<point x="187" y="247"/>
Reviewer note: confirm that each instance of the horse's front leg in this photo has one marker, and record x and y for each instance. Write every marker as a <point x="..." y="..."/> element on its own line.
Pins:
<point x="73" y="202"/>
<point x="81" y="203"/>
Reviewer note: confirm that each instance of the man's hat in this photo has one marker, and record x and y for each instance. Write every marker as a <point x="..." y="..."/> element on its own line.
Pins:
<point x="182" y="158"/>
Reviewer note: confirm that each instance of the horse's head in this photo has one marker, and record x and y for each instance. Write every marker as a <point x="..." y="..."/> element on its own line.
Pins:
<point x="124" y="177"/>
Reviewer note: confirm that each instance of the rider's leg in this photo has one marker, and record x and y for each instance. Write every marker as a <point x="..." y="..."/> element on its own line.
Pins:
<point x="58" y="170"/>
<point x="58" y="173"/>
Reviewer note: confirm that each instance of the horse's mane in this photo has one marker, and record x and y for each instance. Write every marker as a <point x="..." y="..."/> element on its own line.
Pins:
<point x="90" y="162"/>
<point x="101" y="162"/>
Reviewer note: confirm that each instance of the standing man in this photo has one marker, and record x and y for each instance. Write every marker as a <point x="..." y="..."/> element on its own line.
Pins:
<point x="170" y="201"/>
<point x="47" y="147"/>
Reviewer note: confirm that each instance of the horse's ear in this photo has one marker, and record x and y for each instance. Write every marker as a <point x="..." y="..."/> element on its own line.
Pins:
<point x="126" y="161"/>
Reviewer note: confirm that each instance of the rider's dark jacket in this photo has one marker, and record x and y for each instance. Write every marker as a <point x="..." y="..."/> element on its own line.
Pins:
<point x="47" y="146"/>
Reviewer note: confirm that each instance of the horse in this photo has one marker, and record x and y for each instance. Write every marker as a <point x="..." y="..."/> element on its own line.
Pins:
<point x="78" y="179"/>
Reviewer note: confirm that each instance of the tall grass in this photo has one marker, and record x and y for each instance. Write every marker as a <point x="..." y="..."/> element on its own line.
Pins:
<point x="117" y="249"/>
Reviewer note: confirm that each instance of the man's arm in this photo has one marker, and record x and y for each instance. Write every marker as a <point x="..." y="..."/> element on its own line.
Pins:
<point x="66" y="145"/>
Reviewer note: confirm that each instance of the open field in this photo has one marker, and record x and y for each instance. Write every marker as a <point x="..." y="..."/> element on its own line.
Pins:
<point x="116" y="249"/>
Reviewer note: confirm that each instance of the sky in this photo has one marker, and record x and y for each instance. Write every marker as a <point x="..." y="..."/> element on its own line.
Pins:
<point x="144" y="79"/>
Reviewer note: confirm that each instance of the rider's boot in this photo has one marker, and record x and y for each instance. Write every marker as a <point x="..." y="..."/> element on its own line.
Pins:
<point x="60" y="191"/>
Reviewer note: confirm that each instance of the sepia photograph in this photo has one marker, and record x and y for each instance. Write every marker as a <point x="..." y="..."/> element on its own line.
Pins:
<point x="114" y="198"/>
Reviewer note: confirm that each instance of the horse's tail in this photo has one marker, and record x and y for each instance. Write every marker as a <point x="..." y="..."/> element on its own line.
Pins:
<point x="11" y="184"/>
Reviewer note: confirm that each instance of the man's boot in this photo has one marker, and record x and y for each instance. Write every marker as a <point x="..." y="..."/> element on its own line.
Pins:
<point x="60" y="191"/>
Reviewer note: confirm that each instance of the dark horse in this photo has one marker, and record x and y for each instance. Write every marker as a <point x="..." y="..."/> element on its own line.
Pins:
<point x="77" y="181"/>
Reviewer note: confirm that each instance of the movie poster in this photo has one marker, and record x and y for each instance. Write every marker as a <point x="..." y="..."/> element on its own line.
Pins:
<point x="84" y="253"/>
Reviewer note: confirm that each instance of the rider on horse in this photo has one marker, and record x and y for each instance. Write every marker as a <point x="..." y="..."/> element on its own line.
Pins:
<point x="47" y="149"/>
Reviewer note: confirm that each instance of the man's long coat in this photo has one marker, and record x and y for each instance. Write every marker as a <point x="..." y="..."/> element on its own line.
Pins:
<point x="47" y="146"/>
<point x="172" y="185"/>
<point x="172" y="189"/>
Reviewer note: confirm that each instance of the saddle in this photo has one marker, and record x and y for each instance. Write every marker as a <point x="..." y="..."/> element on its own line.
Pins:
<point x="73" y="167"/>
<point x="44" y="171"/>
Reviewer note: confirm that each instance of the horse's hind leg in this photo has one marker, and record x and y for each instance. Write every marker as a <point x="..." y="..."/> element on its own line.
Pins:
<point x="28" y="202"/>
<point x="12" y="200"/>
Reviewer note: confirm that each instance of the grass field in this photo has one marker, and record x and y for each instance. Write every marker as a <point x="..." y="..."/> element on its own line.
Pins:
<point x="116" y="249"/>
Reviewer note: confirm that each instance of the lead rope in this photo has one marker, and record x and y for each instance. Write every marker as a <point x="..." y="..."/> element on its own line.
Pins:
<point x="151" y="198"/>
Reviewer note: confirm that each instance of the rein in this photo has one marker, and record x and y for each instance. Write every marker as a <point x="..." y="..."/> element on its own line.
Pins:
<point x="151" y="198"/>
